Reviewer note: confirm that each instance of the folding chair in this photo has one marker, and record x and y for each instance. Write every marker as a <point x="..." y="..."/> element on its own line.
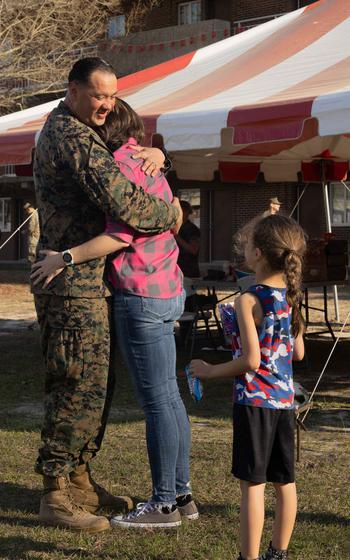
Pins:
<point x="203" y="311"/>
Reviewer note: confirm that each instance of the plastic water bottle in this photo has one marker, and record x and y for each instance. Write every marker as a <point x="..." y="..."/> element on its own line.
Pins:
<point x="194" y="384"/>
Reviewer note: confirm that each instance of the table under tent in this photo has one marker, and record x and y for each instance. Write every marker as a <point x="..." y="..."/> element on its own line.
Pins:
<point x="271" y="104"/>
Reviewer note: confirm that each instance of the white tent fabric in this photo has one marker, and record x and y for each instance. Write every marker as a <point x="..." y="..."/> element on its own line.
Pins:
<point x="274" y="100"/>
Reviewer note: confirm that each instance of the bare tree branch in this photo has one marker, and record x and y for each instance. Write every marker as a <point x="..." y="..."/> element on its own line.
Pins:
<point x="41" y="39"/>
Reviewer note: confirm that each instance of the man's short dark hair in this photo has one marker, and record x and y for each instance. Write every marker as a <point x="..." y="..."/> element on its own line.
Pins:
<point x="84" y="67"/>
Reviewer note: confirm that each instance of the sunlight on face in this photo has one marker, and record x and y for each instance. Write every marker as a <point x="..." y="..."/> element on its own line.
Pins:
<point x="92" y="102"/>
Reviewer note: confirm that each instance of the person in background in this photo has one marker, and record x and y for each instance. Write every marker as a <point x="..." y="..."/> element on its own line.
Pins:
<point x="188" y="240"/>
<point x="274" y="207"/>
<point x="239" y="239"/>
<point x="267" y="334"/>
<point x="33" y="230"/>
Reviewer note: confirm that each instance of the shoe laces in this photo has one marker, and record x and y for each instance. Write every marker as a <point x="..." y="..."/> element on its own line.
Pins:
<point x="75" y="506"/>
<point x="141" y="509"/>
<point x="72" y="505"/>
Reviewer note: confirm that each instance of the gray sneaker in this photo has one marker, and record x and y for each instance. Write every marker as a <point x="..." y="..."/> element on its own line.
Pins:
<point x="187" y="507"/>
<point x="149" y="516"/>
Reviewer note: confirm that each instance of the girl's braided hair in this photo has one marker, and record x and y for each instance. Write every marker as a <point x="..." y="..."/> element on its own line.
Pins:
<point x="283" y="244"/>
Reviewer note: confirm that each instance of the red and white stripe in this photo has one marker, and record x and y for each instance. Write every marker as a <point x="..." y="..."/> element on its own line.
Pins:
<point x="271" y="99"/>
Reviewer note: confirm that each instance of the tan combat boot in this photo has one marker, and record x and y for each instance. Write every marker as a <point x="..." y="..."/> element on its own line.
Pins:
<point x="91" y="496"/>
<point x="57" y="508"/>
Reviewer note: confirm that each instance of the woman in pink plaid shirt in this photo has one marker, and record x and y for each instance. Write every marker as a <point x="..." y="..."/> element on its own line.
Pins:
<point x="148" y="299"/>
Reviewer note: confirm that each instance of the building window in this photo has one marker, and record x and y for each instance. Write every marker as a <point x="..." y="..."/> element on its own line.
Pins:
<point x="5" y="215"/>
<point x="340" y="204"/>
<point x="116" y="26"/>
<point x="189" y="12"/>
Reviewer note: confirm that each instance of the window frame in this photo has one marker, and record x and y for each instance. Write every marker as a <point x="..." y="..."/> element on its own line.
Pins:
<point x="346" y="198"/>
<point x="5" y="227"/>
<point x="116" y="26"/>
<point x="189" y="5"/>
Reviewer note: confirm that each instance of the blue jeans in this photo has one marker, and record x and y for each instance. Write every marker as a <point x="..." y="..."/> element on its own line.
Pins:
<point x="145" y="330"/>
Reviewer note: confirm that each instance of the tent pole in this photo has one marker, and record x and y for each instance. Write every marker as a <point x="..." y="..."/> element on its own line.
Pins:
<point x="329" y="230"/>
<point x="210" y="224"/>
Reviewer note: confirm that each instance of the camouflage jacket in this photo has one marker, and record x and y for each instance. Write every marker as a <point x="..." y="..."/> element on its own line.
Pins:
<point x="77" y="183"/>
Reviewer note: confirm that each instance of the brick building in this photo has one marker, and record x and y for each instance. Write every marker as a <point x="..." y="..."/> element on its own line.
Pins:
<point x="172" y="29"/>
<point x="177" y="12"/>
<point x="175" y="28"/>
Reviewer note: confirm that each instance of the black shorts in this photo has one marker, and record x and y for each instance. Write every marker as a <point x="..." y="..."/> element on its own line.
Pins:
<point x="263" y="444"/>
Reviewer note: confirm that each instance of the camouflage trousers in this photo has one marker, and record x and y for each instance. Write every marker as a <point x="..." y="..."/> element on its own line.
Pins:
<point x="79" y="384"/>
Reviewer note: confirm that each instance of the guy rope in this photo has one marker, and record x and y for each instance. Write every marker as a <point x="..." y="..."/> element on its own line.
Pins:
<point x="19" y="227"/>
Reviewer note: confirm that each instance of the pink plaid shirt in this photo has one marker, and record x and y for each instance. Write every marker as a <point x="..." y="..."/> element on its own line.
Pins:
<point x="148" y="267"/>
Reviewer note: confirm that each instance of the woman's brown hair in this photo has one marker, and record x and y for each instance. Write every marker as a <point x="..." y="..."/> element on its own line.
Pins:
<point x="283" y="244"/>
<point x="121" y="124"/>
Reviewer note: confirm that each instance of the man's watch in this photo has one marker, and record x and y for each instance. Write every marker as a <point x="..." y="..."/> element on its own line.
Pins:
<point x="67" y="257"/>
<point x="167" y="165"/>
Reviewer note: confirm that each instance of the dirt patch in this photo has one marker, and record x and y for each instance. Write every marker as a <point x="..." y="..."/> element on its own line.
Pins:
<point x="16" y="301"/>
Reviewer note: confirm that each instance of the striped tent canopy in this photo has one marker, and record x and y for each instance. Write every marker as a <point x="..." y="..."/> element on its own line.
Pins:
<point x="273" y="100"/>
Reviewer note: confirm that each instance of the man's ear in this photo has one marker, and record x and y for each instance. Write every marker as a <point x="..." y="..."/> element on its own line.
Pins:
<point x="73" y="90"/>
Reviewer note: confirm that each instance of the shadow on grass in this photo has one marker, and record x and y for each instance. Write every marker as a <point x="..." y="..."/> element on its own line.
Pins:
<point x="322" y="518"/>
<point x="14" y="497"/>
<point x="317" y="517"/>
<point x="218" y="510"/>
<point x="20" y="400"/>
<point x="13" y="326"/>
<point x="324" y="398"/>
<point x="15" y="548"/>
<point x="17" y="521"/>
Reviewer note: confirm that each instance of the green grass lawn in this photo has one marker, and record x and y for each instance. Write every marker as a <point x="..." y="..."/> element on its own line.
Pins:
<point x="322" y="531"/>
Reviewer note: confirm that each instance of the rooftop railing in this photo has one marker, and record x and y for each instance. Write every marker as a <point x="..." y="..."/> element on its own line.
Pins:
<point x="244" y="24"/>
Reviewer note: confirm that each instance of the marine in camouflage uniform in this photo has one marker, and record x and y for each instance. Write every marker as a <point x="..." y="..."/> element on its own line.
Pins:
<point x="77" y="183"/>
